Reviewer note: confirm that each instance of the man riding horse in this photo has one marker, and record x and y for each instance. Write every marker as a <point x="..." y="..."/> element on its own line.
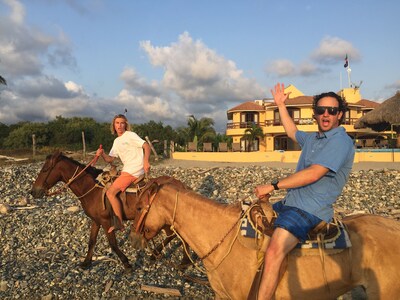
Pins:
<point x="322" y="171"/>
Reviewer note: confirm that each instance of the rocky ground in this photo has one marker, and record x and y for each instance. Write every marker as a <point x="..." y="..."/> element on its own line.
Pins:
<point x="43" y="240"/>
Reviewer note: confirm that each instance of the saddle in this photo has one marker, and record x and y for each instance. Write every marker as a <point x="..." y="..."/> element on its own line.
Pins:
<point x="106" y="178"/>
<point x="255" y="224"/>
<point x="325" y="238"/>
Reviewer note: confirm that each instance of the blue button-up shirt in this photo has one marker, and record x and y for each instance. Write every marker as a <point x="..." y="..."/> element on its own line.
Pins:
<point x="334" y="150"/>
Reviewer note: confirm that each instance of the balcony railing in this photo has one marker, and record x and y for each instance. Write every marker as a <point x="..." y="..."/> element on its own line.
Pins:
<point x="277" y="122"/>
<point x="237" y="125"/>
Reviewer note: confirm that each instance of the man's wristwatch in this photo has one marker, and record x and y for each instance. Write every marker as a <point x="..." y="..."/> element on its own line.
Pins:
<point x="274" y="183"/>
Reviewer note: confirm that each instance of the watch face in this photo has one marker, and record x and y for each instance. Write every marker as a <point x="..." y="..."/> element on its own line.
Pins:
<point x="275" y="181"/>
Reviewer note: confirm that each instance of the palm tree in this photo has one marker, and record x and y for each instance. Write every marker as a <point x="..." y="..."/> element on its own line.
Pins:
<point x="201" y="130"/>
<point x="251" y="134"/>
<point x="2" y="80"/>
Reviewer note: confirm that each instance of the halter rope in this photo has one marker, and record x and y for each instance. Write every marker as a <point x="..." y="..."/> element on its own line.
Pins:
<point x="73" y="178"/>
<point x="214" y="248"/>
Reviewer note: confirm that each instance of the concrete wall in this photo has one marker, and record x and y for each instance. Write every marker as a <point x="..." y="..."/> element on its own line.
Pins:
<point x="277" y="156"/>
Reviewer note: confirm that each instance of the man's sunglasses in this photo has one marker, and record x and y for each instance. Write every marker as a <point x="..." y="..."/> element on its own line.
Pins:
<point x="320" y="110"/>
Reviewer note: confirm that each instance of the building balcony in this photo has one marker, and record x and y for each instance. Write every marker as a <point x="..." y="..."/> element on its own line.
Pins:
<point x="242" y="125"/>
<point x="268" y="123"/>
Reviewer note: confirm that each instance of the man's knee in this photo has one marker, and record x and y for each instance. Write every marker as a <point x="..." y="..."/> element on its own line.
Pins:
<point x="274" y="251"/>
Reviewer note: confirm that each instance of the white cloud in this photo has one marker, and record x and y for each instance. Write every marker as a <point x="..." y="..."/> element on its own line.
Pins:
<point x="333" y="49"/>
<point x="74" y="88"/>
<point x="196" y="80"/>
<point x="24" y="48"/>
<point x="282" y="67"/>
<point x="17" y="14"/>
<point x="198" y="74"/>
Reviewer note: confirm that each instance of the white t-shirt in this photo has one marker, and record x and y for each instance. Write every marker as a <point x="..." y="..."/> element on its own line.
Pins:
<point x="128" y="147"/>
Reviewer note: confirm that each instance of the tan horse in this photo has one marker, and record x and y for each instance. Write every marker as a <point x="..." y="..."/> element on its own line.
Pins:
<point x="211" y="230"/>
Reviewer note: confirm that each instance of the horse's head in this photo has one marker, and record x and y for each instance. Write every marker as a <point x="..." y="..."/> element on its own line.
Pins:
<point x="48" y="176"/>
<point x="150" y="213"/>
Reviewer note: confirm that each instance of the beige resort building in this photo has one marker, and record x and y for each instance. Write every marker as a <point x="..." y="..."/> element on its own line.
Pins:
<point x="264" y="114"/>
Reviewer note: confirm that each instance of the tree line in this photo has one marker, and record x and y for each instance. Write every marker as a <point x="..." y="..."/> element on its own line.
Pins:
<point x="66" y="133"/>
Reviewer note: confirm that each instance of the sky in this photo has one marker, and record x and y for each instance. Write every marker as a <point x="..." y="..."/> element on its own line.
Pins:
<point x="164" y="60"/>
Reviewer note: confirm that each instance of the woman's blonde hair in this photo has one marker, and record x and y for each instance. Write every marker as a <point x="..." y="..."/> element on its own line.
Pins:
<point x="127" y="125"/>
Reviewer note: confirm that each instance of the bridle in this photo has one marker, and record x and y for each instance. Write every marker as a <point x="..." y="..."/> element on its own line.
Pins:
<point x="69" y="181"/>
<point x="141" y="230"/>
<point x="149" y="195"/>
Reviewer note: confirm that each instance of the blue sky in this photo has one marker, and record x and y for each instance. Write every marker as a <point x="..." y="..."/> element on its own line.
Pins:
<point x="164" y="60"/>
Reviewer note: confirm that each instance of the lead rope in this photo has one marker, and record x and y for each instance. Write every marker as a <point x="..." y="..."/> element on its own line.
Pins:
<point x="320" y="241"/>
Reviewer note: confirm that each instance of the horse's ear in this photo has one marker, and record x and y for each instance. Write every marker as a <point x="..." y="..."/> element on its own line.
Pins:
<point x="56" y="157"/>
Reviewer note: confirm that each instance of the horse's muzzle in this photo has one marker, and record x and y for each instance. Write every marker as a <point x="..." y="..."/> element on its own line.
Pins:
<point x="137" y="240"/>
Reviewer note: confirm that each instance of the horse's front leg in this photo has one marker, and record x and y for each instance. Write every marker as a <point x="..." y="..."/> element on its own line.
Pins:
<point x="157" y="251"/>
<point x="113" y="244"/>
<point x="94" y="231"/>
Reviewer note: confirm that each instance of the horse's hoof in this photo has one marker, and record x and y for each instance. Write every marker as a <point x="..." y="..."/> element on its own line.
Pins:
<point x="85" y="265"/>
<point x="128" y="270"/>
<point x="183" y="266"/>
<point x="155" y="256"/>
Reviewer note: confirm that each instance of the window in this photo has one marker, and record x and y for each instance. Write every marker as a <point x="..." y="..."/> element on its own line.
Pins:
<point x="293" y="112"/>
<point x="248" y="118"/>
<point x="346" y="119"/>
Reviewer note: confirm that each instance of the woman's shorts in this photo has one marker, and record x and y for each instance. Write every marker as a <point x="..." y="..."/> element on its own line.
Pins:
<point x="295" y="220"/>
<point x="123" y="181"/>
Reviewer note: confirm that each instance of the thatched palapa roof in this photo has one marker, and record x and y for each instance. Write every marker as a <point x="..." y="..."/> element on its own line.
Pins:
<point x="382" y="117"/>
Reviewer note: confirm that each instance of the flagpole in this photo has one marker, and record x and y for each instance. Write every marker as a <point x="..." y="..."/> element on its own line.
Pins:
<point x="348" y="75"/>
<point x="347" y="66"/>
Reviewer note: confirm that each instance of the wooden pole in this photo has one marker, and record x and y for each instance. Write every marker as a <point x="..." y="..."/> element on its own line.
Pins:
<point x="166" y="149"/>
<point x="152" y="148"/>
<point x="33" y="145"/>
<point x="161" y="290"/>
<point x="84" y="145"/>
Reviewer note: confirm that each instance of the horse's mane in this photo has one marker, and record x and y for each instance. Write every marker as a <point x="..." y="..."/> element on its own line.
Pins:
<point x="198" y="197"/>
<point x="94" y="172"/>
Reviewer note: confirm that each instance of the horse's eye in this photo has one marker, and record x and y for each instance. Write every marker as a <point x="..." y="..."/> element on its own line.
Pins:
<point x="139" y="209"/>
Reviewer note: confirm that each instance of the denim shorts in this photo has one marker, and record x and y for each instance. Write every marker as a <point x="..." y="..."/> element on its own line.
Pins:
<point x="295" y="220"/>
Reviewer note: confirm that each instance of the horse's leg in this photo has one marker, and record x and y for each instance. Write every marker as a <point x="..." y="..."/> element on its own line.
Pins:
<point x="157" y="251"/>
<point x="186" y="260"/>
<point x="94" y="231"/>
<point x="113" y="244"/>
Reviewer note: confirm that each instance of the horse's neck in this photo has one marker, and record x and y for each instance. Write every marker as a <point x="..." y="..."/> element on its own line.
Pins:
<point x="201" y="222"/>
<point x="82" y="184"/>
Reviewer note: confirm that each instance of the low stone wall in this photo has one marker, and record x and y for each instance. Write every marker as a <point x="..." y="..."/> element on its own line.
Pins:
<point x="279" y="156"/>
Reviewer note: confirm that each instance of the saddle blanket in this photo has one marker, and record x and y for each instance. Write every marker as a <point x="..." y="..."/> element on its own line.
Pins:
<point x="341" y="242"/>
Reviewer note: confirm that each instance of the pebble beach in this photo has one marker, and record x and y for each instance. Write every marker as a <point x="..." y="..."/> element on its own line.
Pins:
<point x="42" y="241"/>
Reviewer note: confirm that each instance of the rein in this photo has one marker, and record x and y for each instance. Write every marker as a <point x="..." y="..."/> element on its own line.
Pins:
<point x="213" y="248"/>
<point x="141" y="224"/>
<point x="74" y="176"/>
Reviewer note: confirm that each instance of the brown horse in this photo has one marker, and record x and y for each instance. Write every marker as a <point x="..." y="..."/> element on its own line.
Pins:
<point x="58" y="167"/>
<point x="212" y="231"/>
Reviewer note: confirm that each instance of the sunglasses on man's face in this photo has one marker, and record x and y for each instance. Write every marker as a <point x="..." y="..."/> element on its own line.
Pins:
<point x="320" y="110"/>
